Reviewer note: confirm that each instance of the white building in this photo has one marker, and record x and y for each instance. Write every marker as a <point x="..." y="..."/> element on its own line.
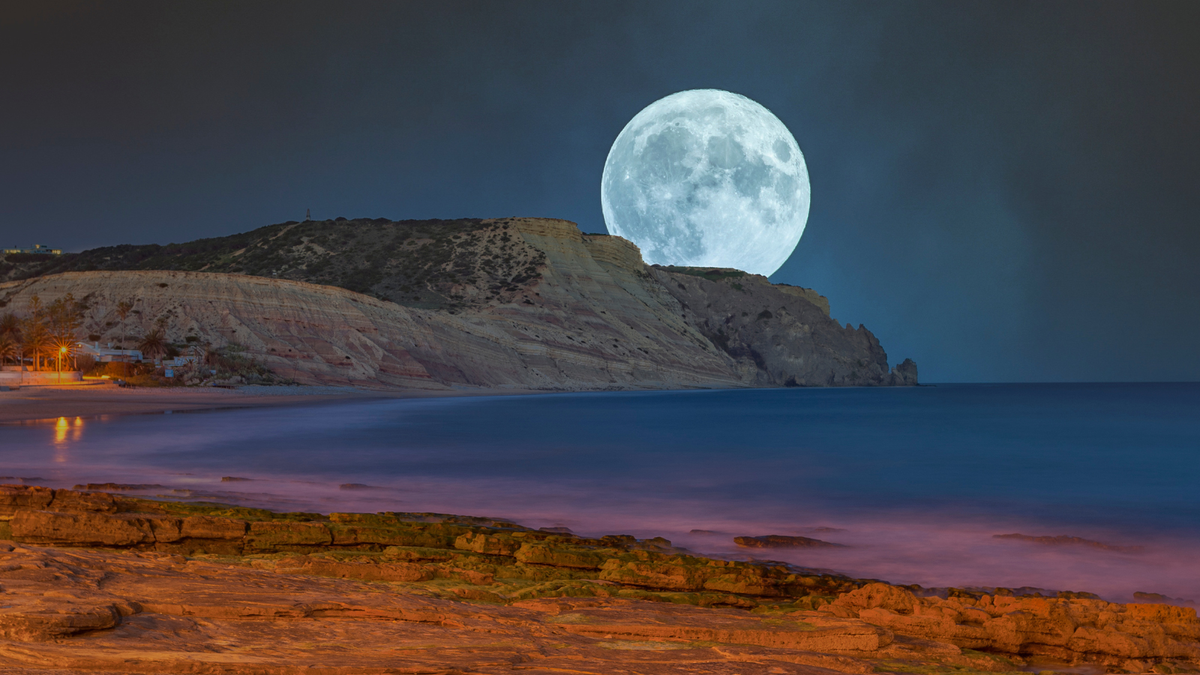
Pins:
<point x="40" y="249"/>
<point x="106" y="354"/>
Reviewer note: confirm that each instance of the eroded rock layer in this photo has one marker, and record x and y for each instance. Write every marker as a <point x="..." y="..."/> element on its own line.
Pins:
<point x="95" y="582"/>
<point x="576" y="312"/>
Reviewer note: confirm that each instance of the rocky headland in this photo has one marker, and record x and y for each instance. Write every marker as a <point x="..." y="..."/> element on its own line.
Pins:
<point x="516" y="303"/>
<point x="100" y="582"/>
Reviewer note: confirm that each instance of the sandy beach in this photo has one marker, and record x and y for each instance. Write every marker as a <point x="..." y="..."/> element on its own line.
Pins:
<point x="90" y="400"/>
<point x="94" y="399"/>
<point x="47" y="402"/>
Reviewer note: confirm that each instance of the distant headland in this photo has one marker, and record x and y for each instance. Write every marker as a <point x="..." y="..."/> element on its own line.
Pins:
<point x="508" y="303"/>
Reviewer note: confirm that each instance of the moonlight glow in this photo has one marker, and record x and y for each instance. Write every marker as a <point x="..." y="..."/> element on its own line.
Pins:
<point x="707" y="178"/>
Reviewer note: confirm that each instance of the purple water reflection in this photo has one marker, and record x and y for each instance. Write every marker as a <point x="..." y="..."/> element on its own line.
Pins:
<point x="917" y="480"/>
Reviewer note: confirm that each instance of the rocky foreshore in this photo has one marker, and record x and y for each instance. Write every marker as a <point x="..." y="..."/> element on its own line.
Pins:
<point x="98" y="582"/>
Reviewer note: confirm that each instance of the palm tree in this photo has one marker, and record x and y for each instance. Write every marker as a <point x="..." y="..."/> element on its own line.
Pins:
<point x="8" y="347"/>
<point x="154" y="344"/>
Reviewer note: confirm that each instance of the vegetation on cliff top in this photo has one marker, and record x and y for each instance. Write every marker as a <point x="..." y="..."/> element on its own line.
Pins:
<point x="709" y="273"/>
<point x="429" y="264"/>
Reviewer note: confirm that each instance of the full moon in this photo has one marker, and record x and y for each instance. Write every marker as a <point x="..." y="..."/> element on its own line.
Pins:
<point x="707" y="178"/>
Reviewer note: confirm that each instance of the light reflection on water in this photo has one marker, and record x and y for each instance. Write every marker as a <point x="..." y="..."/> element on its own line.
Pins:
<point x="65" y="428"/>
<point x="917" y="481"/>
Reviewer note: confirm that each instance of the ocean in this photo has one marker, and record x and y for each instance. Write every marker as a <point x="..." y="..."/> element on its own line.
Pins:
<point x="914" y="482"/>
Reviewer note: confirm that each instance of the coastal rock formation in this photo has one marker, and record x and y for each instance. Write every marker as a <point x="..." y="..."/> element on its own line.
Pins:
<point x="778" y="334"/>
<point x="1067" y="540"/>
<point x="90" y="579"/>
<point x="92" y="611"/>
<point x="572" y="312"/>
<point x="781" y="541"/>
<point x="1128" y="636"/>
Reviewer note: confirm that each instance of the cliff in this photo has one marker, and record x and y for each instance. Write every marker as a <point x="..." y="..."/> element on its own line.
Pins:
<point x="511" y="303"/>
<point x="780" y="335"/>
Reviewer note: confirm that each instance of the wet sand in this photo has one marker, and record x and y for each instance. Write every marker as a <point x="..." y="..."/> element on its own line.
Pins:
<point x="91" y="400"/>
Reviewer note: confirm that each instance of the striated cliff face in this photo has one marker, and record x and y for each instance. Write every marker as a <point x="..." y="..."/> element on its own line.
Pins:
<point x="781" y="335"/>
<point x="580" y="312"/>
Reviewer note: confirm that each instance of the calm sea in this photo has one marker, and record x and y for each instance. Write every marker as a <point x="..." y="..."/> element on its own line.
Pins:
<point x="915" y="482"/>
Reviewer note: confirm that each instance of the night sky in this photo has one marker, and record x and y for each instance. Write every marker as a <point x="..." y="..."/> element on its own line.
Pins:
<point x="1003" y="191"/>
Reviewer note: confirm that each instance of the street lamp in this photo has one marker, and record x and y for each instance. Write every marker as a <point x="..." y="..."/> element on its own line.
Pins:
<point x="61" y="351"/>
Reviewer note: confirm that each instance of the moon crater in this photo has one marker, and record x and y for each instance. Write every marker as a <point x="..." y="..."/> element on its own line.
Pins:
<point x="707" y="178"/>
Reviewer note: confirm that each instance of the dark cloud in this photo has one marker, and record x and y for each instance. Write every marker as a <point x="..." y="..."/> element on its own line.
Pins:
<point x="1001" y="190"/>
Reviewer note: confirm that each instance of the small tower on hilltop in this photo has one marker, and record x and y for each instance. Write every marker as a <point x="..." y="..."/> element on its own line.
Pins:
<point x="307" y="215"/>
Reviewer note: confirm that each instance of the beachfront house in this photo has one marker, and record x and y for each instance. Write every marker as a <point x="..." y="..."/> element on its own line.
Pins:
<point x="108" y="354"/>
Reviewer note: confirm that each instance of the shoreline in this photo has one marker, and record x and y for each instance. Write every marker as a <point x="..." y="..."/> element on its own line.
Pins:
<point x="47" y="403"/>
<point x="238" y="493"/>
<point x="35" y="403"/>
<point x="524" y="458"/>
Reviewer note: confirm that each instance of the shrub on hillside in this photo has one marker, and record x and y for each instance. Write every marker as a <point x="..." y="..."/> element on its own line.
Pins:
<point x="232" y="362"/>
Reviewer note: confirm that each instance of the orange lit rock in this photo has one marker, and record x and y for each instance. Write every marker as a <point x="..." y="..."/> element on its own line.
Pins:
<point x="266" y="588"/>
<point x="808" y="631"/>
<point x="15" y="498"/>
<point x="210" y="527"/>
<point x="282" y="536"/>
<point x="1068" y="629"/>
<point x="44" y="619"/>
<point x="871" y="596"/>
<point x="352" y="570"/>
<point x="160" y="614"/>
<point x="489" y="544"/>
<point x="559" y="555"/>
<point x="75" y="501"/>
<point x="81" y="529"/>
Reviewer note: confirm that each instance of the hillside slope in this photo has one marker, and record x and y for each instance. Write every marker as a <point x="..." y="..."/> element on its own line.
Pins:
<point x="429" y="264"/>
<point x="513" y="303"/>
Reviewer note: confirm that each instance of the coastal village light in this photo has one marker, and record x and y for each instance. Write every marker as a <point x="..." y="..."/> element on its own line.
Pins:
<point x="60" y="431"/>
